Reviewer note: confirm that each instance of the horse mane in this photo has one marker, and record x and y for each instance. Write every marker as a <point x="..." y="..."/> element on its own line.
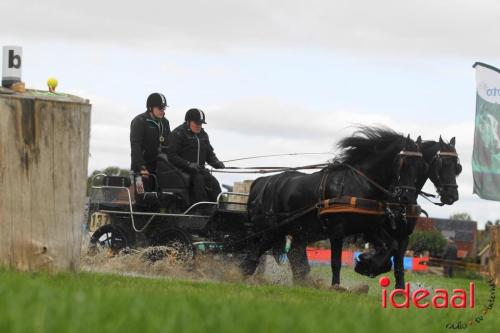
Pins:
<point x="369" y="142"/>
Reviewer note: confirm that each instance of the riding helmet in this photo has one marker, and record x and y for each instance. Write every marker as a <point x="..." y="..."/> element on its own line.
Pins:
<point x="195" y="115"/>
<point x="156" y="99"/>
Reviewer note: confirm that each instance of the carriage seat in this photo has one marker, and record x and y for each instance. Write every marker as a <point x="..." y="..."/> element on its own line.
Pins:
<point x="172" y="182"/>
<point x="117" y="181"/>
<point x="109" y="194"/>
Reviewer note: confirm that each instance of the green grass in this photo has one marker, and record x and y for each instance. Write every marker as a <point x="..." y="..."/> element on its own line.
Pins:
<point x="90" y="302"/>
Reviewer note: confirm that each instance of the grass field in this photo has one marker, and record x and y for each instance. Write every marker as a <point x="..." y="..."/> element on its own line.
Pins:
<point x="92" y="302"/>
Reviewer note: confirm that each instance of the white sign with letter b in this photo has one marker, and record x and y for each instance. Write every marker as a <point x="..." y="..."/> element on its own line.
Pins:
<point x="11" y="65"/>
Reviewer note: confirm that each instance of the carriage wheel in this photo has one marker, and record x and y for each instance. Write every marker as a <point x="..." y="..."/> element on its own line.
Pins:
<point x="107" y="238"/>
<point x="174" y="245"/>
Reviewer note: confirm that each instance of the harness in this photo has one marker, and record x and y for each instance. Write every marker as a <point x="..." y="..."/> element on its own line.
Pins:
<point x="356" y="205"/>
<point x="348" y="204"/>
<point x="339" y="204"/>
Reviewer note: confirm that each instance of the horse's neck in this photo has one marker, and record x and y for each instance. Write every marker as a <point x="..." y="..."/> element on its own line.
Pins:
<point x="380" y="172"/>
<point x="378" y="169"/>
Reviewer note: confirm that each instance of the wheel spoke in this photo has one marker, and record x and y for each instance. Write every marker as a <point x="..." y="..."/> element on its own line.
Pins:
<point x="109" y="238"/>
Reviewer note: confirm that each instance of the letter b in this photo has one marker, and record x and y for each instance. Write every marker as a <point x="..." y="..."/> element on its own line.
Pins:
<point x="14" y="60"/>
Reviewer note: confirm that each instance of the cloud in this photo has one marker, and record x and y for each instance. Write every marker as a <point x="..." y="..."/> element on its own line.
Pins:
<point x="265" y="116"/>
<point x="447" y="27"/>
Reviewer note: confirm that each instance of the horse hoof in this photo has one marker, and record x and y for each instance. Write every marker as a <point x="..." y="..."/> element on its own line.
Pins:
<point x="309" y="282"/>
<point x="360" y="289"/>
<point x="338" y="287"/>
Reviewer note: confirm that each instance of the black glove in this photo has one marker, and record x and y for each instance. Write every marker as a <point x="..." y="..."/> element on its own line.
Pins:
<point x="193" y="168"/>
<point x="218" y="165"/>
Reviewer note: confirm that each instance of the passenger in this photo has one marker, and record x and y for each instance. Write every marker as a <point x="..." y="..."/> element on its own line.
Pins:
<point x="148" y="135"/>
<point x="188" y="148"/>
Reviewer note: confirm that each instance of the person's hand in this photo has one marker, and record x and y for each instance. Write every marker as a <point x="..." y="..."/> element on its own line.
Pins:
<point x="193" y="168"/>
<point x="139" y="185"/>
<point x="218" y="165"/>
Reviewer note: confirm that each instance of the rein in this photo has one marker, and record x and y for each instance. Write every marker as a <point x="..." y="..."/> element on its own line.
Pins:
<point x="371" y="181"/>
<point x="264" y="170"/>
<point x="426" y="195"/>
<point x="275" y="155"/>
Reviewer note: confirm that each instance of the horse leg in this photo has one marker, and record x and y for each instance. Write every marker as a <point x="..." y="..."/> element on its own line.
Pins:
<point x="249" y="264"/>
<point x="399" y="272"/>
<point x="297" y="256"/>
<point x="252" y="259"/>
<point x="336" y="240"/>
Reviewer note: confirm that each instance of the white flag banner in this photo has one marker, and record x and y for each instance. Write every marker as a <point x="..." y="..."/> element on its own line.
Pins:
<point x="486" y="153"/>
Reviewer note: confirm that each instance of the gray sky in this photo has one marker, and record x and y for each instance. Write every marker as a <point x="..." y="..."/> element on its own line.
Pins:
<point x="272" y="76"/>
<point x="425" y="27"/>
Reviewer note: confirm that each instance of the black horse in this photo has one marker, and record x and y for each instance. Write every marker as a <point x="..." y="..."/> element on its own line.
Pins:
<point x="443" y="168"/>
<point x="375" y="163"/>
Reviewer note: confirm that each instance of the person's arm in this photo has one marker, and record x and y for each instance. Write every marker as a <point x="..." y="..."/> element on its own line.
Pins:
<point x="172" y="150"/>
<point x="212" y="158"/>
<point x="136" y="137"/>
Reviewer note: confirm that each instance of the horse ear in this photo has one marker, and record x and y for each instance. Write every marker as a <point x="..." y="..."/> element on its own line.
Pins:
<point x="406" y="141"/>
<point x="441" y="140"/>
<point x="452" y="142"/>
<point x="419" y="140"/>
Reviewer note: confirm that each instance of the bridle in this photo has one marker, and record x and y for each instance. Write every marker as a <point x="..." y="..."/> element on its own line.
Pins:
<point x="436" y="164"/>
<point x="400" y="189"/>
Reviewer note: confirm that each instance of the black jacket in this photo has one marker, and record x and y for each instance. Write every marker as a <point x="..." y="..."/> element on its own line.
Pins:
<point x="184" y="147"/>
<point x="450" y="252"/>
<point x="145" y="137"/>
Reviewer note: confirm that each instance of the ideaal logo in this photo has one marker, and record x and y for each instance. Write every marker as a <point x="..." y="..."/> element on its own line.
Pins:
<point x="460" y="299"/>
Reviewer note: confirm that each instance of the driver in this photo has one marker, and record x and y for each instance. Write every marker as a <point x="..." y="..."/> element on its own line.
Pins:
<point x="189" y="148"/>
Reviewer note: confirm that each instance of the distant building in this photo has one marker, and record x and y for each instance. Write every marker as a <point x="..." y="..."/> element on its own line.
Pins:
<point x="464" y="232"/>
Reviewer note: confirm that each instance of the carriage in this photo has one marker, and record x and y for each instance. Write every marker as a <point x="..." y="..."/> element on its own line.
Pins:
<point x="120" y="218"/>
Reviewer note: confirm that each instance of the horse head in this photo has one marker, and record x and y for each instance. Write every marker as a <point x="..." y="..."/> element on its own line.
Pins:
<point x="408" y="166"/>
<point x="444" y="167"/>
